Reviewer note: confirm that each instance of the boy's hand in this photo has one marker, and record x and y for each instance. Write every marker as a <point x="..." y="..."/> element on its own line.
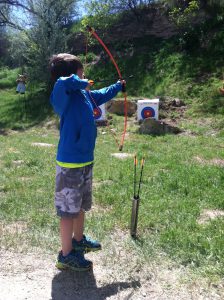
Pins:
<point x="123" y="83"/>
<point x="90" y="83"/>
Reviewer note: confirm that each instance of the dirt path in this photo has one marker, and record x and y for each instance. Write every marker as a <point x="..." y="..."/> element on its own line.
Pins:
<point x="117" y="274"/>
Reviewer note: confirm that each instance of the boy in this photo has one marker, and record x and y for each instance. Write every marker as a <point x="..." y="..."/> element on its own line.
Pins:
<point x="74" y="103"/>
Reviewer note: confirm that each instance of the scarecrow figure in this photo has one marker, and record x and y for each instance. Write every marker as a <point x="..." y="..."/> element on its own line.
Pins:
<point x="21" y="84"/>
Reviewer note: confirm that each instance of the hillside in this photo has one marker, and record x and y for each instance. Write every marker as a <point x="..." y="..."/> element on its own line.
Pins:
<point x="164" y="60"/>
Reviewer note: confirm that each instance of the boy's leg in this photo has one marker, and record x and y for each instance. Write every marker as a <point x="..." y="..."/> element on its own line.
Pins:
<point x="78" y="226"/>
<point x="80" y="241"/>
<point x="66" y="229"/>
<point x="67" y="200"/>
<point x="68" y="258"/>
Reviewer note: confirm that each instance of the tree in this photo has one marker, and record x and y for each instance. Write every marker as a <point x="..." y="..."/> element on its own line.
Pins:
<point x="4" y="43"/>
<point x="64" y="10"/>
<point x="7" y="7"/>
<point x="17" y="51"/>
<point x="108" y="10"/>
<point x="44" y="23"/>
<point x="183" y="12"/>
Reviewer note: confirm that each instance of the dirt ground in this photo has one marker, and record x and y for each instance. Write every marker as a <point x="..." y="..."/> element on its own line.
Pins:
<point x="116" y="274"/>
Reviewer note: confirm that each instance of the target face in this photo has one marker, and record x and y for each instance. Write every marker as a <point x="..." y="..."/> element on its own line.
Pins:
<point x="97" y="113"/>
<point x="148" y="112"/>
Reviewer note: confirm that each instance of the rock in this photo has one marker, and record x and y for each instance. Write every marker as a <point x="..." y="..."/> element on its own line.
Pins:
<point x="17" y="162"/>
<point x="101" y="123"/>
<point x="42" y="144"/>
<point x="117" y="107"/>
<point x="165" y="102"/>
<point x="52" y="124"/>
<point x="122" y="155"/>
<point x="178" y="103"/>
<point x="151" y="126"/>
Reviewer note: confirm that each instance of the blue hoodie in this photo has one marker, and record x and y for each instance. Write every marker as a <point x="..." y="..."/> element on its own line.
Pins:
<point x="75" y="107"/>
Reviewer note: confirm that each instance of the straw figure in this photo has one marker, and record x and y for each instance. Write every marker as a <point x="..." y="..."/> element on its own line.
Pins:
<point x="21" y="84"/>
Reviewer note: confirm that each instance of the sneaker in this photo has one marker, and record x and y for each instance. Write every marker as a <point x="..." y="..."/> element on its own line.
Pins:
<point x="73" y="261"/>
<point x="86" y="245"/>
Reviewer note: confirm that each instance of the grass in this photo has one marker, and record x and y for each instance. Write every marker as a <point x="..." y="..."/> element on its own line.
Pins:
<point x="21" y="111"/>
<point x="175" y="190"/>
<point x="8" y="77"/>
<point x="176" y="187"/>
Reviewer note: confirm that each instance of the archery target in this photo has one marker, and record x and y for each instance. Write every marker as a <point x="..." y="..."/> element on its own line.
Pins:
<point x="99" y="113"/>
<point x="148" y="108"/>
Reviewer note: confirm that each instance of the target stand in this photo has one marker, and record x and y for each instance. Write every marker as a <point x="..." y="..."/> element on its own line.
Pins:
<point x="148" y="108"/>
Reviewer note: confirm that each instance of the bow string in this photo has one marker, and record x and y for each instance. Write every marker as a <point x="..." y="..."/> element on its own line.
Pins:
<point x="93" y="32"/>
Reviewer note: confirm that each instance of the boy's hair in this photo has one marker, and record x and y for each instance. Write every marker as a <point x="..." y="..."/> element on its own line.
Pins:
<point x="63" y="65"/>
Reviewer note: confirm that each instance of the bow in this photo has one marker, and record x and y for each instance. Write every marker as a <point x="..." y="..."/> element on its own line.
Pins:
<point x="92" y="31"/>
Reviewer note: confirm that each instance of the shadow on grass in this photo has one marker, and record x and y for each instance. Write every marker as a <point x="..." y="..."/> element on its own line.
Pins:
<point x="68" y="285"/>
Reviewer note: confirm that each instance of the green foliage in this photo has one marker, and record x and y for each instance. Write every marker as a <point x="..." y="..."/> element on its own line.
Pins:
<point x="18" y="49"/>
<point x="8" y="78"/>
<point x="218" y="3"/>
<point x="47" y="38"/>
<point x="182" y="14"/>
<point x="101" y="15"/>
<point x="45" y="35"/>
<point x="165" y="69"/>
<point x="76" y="27"/>
<point x="22" y="111"/>
<point x="90" y="57"/>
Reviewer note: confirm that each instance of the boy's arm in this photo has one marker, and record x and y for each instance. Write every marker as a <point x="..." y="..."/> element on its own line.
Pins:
<point x="105" y="94"/>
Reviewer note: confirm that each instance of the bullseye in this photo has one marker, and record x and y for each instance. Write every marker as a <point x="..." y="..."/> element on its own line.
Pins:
<point x="97" y="112"/>
<point x="147" y="112"/>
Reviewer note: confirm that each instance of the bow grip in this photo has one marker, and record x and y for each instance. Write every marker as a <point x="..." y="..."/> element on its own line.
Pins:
<point x="123" y="88"/>
<point x="89" y="28"/>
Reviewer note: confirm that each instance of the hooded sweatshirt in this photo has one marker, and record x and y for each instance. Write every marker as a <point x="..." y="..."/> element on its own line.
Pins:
<point x="74" y="105"/>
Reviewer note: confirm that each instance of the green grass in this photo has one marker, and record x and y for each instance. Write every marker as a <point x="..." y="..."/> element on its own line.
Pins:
<point x="21" y="111"/>
<point x="8" y="78"/>
<point x="176" y="188"/>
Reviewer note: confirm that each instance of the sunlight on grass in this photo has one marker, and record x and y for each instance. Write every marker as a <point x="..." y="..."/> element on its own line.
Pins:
<point x="176" y="188"/>
<point x="179" y="182"/>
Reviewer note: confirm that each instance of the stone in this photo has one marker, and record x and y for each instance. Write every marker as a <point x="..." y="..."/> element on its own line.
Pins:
<point x="101" y="123"/>
<point x="17" y="162"/>
<point x="154" y="127"/>
<point x="117" y="107"/>
<point x="165" y="102"/>
<point x="42" y="145"/>
<point x="178" y="103"/>
<point x="122" y="155"/>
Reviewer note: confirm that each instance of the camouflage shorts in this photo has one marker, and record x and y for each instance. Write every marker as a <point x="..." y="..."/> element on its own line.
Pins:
<point x="73" y="190"/>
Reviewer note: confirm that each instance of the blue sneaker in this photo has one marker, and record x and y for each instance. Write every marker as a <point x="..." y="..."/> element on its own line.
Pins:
<point x="73" y="261"/>
<point x="86" y="245"/>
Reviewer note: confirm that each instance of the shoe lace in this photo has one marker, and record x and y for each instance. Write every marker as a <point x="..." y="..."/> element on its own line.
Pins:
<point x="80" y="256"/>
